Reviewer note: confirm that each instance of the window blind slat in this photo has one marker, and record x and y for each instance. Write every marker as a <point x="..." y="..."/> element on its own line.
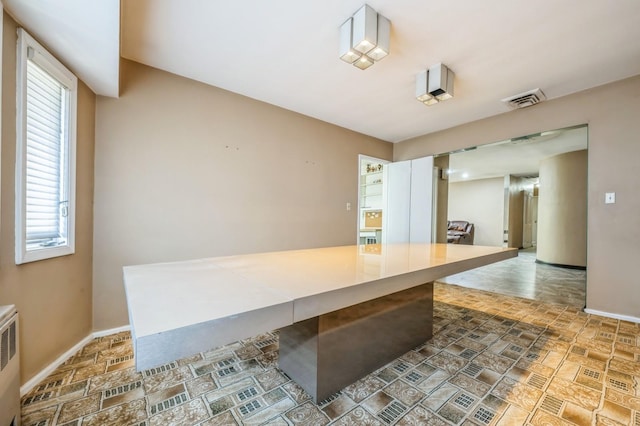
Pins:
<point x="40" y="164"/>
<point x="45" y="103"/>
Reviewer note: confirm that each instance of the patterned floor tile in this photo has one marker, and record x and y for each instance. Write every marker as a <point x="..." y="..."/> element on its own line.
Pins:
<point x="189" y="413"/>
<point x="616" y="412"/>
<point x="473" y="386"/>
<point x="404" y="392"/>
<point x="377" y="402"/>
<point x="494" y="359"/>
<point x="439" y="397"/>
<point x="542" y="418"/>
<point x="513" y="416"/>
<point x="79" y="408"/>
<point x="363" y="388"/>
<point x="522" y="395"/>
<point x="307" y="414"/>
<point x="358" y="416"/>
<point x="133" y="412"/>
<point x="421" y="416"/>
<point x="338" y="407"/>
<point x="452" y="413"/>
<point x="571" y="391"/>
<point x="576" y="414"/>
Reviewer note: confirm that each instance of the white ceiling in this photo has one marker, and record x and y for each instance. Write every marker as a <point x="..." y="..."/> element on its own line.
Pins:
<point x="285" y="52"/>
<point x="519" y="156"/>
<point x="84" y="35"/>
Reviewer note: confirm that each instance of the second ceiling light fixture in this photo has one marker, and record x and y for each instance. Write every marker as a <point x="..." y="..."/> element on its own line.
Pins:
<point x="435" y="84"/>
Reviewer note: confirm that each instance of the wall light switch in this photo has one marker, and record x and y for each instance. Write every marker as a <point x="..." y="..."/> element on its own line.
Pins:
<point x="348" y="206"/>
<point x="610" y="198"/>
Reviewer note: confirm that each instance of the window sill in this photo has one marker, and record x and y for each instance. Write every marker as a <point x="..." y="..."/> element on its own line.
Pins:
<point x="43" y="253"/>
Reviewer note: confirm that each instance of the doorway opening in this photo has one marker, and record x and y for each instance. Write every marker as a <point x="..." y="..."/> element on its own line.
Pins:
<point x="530" y="193"/>
<point x="371" y="199"/>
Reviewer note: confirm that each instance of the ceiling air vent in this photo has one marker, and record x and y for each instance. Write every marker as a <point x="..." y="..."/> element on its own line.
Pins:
<point x="525" y="99"/>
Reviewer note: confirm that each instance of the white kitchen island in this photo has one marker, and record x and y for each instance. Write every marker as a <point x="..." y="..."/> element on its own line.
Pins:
<point x="342" y="311"/>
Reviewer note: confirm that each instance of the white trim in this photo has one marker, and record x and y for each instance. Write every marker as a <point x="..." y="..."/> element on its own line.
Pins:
<point x="35" y="380"/>
<point x="110" y="331"/>
<point x="615" y="316"/>
<point x="31" y="383"/>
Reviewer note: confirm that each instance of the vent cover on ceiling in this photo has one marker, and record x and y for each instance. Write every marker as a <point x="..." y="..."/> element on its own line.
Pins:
<point x="525" y="99"/>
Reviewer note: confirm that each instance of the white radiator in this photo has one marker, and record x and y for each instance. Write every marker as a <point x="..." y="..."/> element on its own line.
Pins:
<point x="9" y="367"/>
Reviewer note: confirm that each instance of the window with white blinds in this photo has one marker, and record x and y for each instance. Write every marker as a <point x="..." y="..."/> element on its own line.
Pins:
<point x="45" y="154"/>
<point x="46" y="162"/>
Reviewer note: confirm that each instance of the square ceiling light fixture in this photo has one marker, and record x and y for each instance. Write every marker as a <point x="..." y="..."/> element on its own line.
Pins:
<point x="435" y="84"/>
<point x="364" y="38"/>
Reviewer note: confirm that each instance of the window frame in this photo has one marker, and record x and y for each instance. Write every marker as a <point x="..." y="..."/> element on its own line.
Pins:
<point x="29" y="48"/>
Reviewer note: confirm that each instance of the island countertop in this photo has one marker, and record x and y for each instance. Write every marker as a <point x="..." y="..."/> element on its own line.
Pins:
<point x="219" y="300"/>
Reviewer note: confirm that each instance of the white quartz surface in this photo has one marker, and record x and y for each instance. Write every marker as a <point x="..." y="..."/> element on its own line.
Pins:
<point x="167" y="296"/>
<point x="181" y="308"/>
<point x="292" y="285"/>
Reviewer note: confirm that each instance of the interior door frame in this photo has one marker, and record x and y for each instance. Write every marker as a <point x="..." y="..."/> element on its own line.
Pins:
<point x="361" y="158"/>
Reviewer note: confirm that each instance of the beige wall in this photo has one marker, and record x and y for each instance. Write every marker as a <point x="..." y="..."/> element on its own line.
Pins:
<point x="480" y="202"/>
<point x="185" y="170"/>
<point x="53" y="296"/>
<point x="516" y="212"/>
<point x="562" y="209"/>
<point x="442" y="200"/>
<point x="611" y="111"/>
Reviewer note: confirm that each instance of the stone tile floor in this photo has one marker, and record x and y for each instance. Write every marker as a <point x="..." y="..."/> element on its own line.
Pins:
<point x="523" y="277"/>
<point x="493" y="360"/>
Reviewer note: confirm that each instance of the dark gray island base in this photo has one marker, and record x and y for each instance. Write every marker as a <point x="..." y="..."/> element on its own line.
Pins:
<point x="326" y="353"/>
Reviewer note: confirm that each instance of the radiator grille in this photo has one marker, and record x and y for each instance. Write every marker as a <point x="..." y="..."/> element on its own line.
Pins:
<point x="9" y="366"/>
<point x="8" y="344"/>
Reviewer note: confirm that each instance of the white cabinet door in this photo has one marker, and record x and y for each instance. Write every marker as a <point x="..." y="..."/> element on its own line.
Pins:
<point x="420" y="215"/>
<point x="397" y="201"/>
<point x="408" y="201"/>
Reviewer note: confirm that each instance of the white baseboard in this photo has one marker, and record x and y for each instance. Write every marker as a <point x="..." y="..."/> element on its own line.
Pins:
<point x="110" y="331"/>
<point x="31" y="383"/>
<point x="615" y="316"/>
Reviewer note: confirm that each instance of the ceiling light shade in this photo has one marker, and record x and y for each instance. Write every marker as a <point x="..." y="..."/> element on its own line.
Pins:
<point x="422" y="82"/>
<point x="347" y="53"/>
<point x="384" y="35"/>
<point x="431" y="101"/>
<point x="364" y="38"/>
<point x="440" y="83"/>
<point x="364" y="62"/>
<point x="365" y="29"/>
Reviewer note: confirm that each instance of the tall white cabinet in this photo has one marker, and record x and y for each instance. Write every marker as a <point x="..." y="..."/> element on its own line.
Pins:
<point x="408" y="194"/>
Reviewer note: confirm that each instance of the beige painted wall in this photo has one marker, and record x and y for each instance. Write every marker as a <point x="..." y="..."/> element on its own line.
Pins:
<point x="442" y="203"/>
<point x="516" y="212"/>
<point x="562" y="209"/>
<point x="53" y="296"/>
<point x="481" y="202"/>
<point x="611" y="111"/>
<point x="185" y="170"/>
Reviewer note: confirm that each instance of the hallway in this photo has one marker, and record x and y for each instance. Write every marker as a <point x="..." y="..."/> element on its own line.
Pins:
<point x="523" y="277"/>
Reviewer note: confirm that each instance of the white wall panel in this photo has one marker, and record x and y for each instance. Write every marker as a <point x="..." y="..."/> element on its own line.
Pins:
<point x="397" y="190"/>
<point x="420" y="219"/>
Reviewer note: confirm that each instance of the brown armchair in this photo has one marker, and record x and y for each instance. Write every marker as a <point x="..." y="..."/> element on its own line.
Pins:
<point x="460" y="232"/>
